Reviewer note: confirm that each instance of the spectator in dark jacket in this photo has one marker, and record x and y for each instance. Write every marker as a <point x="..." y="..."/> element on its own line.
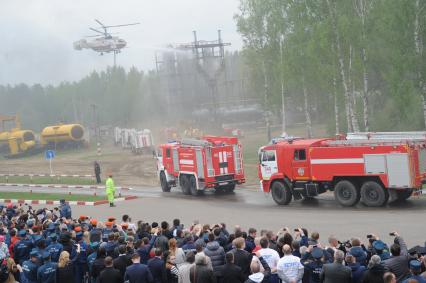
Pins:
<point x="357" y="269"/>
<point x="398" y="262"/>
<point x="145" y="249"/>
<point x="375" y="271"/>
<point x="336" y="271"/>
<point x="231" y="273"/>
<point x="65" y="271"/>
<point x="109" y="274"/>
<point x="358" y="252"/>
<point x="122" y="261"/>
<point x="157" y="267"/>
<point x="200" y="273"/>
<point x="216" y="254"/>
<point x="242" y="258"/>
<point x="99" y="263"/>
<point x="250" y="245"/>
<point x="137" y="272"/>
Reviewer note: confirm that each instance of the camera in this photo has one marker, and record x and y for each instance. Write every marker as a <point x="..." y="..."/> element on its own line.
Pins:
<point x="392" y="234"/>
<point x="369" y="236"/>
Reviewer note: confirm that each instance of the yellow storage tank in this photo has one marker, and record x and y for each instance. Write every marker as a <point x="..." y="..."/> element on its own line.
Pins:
<point x="23" y="135"/>
<point x="4" y="137"/>
<point x="62" y="133"/>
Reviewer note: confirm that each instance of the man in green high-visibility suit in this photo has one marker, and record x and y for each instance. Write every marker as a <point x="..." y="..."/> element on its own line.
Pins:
<point x="110" y="190"/>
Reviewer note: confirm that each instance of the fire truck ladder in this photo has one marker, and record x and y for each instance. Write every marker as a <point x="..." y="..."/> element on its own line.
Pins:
<point x="408" y="136"/>
<point x="372" y="138"/>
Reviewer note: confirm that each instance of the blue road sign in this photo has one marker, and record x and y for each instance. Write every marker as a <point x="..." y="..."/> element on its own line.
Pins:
<point x="49" y="154"/>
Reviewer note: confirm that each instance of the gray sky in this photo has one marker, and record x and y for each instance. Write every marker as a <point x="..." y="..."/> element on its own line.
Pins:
<point x="37" y="35"/>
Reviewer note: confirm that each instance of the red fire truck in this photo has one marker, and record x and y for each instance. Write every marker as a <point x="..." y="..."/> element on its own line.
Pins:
<point x="370" y="167"/>
<point x="195" y="165"/>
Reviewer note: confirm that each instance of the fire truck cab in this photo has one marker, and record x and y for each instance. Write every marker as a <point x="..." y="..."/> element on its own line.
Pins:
<point x="196" y="165"/>
<point x="370" y="169"/>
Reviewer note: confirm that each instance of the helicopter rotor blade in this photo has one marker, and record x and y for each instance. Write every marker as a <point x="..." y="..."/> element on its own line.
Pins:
<point x="102" y="25"/>
<point x="101" y="32"/>
<point x="132" y="24"/>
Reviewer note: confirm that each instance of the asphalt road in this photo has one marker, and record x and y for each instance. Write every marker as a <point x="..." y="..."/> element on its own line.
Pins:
<point x="248" y="207"/>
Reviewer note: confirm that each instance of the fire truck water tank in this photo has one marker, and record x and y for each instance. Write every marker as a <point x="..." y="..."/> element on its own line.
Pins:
<point x="62" y="133"/>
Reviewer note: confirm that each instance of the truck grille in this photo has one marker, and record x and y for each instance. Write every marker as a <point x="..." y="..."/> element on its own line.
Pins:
<point x="224" y="178"/>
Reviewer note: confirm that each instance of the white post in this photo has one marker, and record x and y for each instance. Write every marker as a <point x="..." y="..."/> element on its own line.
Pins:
<point x="50" y="166"/>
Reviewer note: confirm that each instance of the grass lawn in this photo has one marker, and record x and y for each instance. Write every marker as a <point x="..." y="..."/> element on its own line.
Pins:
<point x="47" y="180"/>
<point x="45" y="196"/>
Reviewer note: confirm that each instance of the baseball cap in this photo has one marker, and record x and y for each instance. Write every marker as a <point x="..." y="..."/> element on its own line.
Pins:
<point x="317" y="253"/>
<point x="111" y="219"/>
<point x="33" y="253"/>
<point x="93" y="221"/>
<point x="46" y="255"/>
<point x="108" y="223"/>
<point x="22" y="233"/>
<point x="415" y="264"/>
<point x="77" y="228"/>
<point x="379" y="245"/>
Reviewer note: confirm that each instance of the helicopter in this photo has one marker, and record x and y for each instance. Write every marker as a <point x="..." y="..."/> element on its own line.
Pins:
<point x="104" y="42"/>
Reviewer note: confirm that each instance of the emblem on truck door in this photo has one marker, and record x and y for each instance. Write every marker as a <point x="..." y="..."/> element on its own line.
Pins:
<point x="301" y="171"/>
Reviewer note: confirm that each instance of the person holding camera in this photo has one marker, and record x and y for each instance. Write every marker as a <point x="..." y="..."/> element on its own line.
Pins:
<point x="398" y="262"/>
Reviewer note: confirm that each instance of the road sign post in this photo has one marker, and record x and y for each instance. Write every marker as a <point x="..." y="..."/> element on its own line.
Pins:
<point x="49" y="155"/>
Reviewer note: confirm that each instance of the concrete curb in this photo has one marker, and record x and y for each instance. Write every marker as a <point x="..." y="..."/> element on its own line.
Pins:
<point x="62" y="186"/>
<point x="46" y="175"/>
<point x="56" y="202"/>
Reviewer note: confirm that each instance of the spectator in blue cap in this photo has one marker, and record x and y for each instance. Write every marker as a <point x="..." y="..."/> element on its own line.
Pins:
<point x="30" y="267"/>
<point x="22" y="248"/>
<point x="381" y="249"/>
<point x="416" y="270"/>
<point x="314" y="267"/>
<point x="94" y="246"/>
<point x="47" y="272"/>
<point x="64" y="209"/>
<point x="54" y="248"/>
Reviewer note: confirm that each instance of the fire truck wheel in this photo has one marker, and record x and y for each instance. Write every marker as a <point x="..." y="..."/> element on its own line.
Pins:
<point x="346" y="193"/>
<point x="164" y="185"/>
<point x="230" y="188"/>
<point x="193" y="186"/>
<point x="373" y="194"/>
<point x="184" y="184"/>
<point x="281" y="193"/>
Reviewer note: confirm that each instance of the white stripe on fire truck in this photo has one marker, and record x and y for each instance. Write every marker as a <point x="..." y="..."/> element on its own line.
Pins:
<point x="186" y="161"/>
<point x="220" y="156"/>
<point x="224" y="156"/>
<point x="337" y="161"/>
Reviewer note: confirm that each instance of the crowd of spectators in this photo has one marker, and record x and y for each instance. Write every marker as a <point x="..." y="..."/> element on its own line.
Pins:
<point x="47" y="246"/>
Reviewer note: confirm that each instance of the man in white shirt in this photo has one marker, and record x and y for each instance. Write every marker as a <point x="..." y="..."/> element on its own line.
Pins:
<point x="271" y="257"/>
<point x="289" y="268"/>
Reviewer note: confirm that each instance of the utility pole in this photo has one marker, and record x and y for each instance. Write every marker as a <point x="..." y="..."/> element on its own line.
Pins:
<point x="96" y="128"/>
<point x="282" y="86"/>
